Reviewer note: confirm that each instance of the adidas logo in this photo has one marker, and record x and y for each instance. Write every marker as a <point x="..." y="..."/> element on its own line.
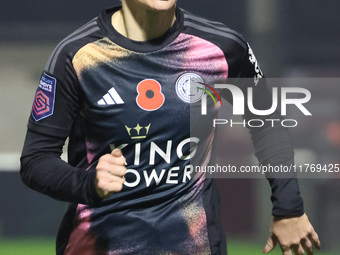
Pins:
<point x="111" y="98"/>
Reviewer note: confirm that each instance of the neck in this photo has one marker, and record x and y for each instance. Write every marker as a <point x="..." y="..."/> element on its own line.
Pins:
<point x="141" y="24"/>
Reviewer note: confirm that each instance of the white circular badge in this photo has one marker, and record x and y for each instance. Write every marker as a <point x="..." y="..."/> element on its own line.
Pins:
<point x="189" y="87"/>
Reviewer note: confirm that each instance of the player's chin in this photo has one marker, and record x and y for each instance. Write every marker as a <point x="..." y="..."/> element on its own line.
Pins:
<point x="162" y="5"/>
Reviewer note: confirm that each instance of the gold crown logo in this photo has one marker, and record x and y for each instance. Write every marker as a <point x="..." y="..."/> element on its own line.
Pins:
<point x="138" y="131"/>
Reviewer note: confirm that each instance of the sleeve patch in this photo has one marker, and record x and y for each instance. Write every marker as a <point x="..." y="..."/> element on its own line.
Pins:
<point x="43" y="104"/>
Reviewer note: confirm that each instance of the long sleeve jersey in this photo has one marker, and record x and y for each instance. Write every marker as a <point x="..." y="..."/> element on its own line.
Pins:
<point x="104" y="91"/>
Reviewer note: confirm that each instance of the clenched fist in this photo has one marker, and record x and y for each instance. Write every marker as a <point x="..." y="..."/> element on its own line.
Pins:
<point x="110" y="173"/>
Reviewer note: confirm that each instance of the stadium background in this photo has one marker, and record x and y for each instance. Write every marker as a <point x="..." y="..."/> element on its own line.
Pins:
<point x="290" y="39"/>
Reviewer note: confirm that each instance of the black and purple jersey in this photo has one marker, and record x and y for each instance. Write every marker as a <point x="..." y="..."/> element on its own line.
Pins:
<point x="105" y="91"/>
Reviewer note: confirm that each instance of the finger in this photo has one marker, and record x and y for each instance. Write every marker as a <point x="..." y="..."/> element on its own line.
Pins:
<point x="105" y="178"/>
<point x="286" y="250"/>
<point x="116" y="170"/>
<point x="308" y="246"/>
<point x="116" y="186"/>
<point x="270" y="245"/>
<point x="107" y="161"/>
<point x="118" y="157"/>
<point x="108" y="186"/>
<point x="117" y="153"/>
<point x="298" y="250"/>
<point x="314" y="238"/>
<point x="115" y="179"/>
<point x="103" y="193"/>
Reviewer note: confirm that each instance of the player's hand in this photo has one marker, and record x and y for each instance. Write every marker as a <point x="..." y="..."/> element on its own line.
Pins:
<point x="110" y="173"/>
<point x="294" y="235"/>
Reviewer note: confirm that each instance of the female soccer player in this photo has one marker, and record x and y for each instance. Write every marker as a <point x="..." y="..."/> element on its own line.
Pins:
<point x="129" y="83"/>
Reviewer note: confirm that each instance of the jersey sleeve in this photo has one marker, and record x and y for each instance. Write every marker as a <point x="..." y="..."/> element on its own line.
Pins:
<point x="272" y="143"/>
<point x="57" y="97"/>
<point x="55" y="107"/>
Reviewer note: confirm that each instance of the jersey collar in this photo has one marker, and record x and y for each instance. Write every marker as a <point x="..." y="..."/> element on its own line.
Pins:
<point x="137" y="46"/>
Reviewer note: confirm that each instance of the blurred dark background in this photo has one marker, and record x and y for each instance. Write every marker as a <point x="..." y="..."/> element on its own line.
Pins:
<point x="290" y="39"/>
<point x="300" y="33"/>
